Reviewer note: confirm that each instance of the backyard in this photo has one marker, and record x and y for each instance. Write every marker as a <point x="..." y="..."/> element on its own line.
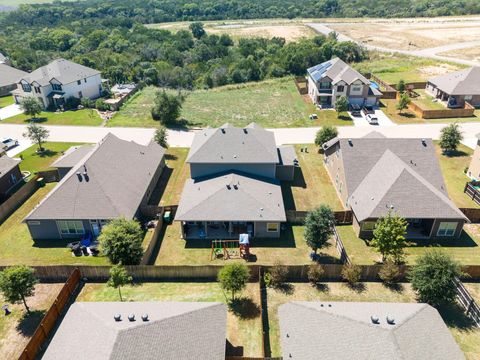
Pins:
<point x="244" y="327"/>
<point x="426" y="101"/>
<point x="85" y="117"/>
<point x="271" y="103"/>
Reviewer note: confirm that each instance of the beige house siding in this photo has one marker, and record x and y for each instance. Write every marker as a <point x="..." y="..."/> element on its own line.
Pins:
<point x="334" y="164"/>
<point x="474" y="168"/>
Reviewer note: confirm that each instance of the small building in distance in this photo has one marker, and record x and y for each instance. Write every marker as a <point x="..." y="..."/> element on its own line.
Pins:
<point x="10" y="175"/>
<point x="8" y="78"/>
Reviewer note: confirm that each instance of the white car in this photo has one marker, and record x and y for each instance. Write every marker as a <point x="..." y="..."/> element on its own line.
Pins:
<point x="8" y="143"/>
<point x="372" y="119"/>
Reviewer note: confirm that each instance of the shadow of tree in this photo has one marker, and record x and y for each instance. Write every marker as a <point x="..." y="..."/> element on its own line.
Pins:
<point x="286" y="288"/>
<point x="244" y="308"/>
<point x="454" y="316"/>
<point x="38" y="120"/>
<point x="398" y="288"/>
<point x="357" y="287"/>
<point x="322" y="287"/>
<point x="29" y="322"/>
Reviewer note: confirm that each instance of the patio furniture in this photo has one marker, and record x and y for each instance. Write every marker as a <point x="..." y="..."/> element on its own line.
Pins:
<point x="167" y="217"/>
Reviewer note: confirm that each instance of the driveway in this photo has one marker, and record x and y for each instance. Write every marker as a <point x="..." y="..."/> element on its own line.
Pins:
<point x="383" y="120"/>
<point x="9" y="111"/>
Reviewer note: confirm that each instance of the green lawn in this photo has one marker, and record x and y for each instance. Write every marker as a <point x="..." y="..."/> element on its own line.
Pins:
<point x="6" y="100"/>
<point x="466" y="335"/>
<point x="271" y="103"/>
<point x="244" y="330"/>
<point x="19" y="248"/>
<point x="425" y="101"/>
<point x="85" y="117"/>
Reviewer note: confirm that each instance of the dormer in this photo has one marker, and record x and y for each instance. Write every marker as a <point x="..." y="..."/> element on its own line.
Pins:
<point x="56" y="85"/>
<point x="25" y="85"/>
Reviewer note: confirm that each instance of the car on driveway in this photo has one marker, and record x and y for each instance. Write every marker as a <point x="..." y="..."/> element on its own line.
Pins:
<point x="372" y="119"/>
<point x="368" y="109"/>
<point x="355" y="110"/>
<point x="8" y="143"/>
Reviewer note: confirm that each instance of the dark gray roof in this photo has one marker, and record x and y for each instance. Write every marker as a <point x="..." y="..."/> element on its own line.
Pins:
<point x="345" y="331"/>
<point x="288" y="156"/>
<point x="119" y="173"/>
<point x="9" y="75"/>
<point x="336" y="70"/>
<point x="73" y="155"/>
<point x="62" y="70"/>
<point x="227" y="144"/>
<point x="231" y="197"/>
<point x="174" y="331"/>
<point x="462" y="82"/>
<point x="7" y="164"/>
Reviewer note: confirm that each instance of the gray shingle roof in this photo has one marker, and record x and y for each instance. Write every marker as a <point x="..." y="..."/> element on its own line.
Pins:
<point x="175" y="331"/>
<point x="231" y="197"/>
<point x="9" y="75"/>
<point x="62" y="70"/>
<point x="462" y="82"/>
<point x="3" y="58"/>
<point x="345" y="331"/>
<point x="336" y="70"/>
<point x="119" y="173"/>
<point x="228" y="144"/>
<point x="7" y="164"/>
<point x="73" y="155"/>
<point x="288" y="156"/>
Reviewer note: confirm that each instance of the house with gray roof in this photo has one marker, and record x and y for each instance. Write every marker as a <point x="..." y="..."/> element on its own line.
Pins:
<point x="9" y="77"/>
<point x="141" y="330"/>
<point x="374" y="175"/>
<point x="53" y="84"/>
<point x="115" y="179"/>
<point x="364" y="331"/>
<point x="10" y="175"/>
<point x="71" y="157"/>
<point x="457" y="88"/>
<point x="235" y="184"/>
<point x="334" y="78"/>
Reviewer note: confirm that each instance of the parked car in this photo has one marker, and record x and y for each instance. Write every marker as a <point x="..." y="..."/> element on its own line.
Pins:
<point x="8" y="143"/>
<point x="372" y="119"/>
<point x="355" y="110"/>
<point x="368" y="109"/>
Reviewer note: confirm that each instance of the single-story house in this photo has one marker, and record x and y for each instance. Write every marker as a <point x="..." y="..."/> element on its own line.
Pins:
<point x="8" y="78"/>
<point x="374" y="175"/>
<point x="71" y="157"/>
<point x="141" y="330"/>
<point x="364" y="331"/>
<point x="457" y="87"/>
<point x="113" y="180"/>
<point x="10" y="175"/>
<point x="334" y="78"/>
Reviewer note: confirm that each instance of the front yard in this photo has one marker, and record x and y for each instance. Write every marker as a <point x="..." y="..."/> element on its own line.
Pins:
<point x="85" y="117"/>
<point x="244" y="331"/>
<point x="6" y="100"/>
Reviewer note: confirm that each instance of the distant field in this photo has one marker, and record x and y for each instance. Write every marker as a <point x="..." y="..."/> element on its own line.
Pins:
<point x="472" y="53"/>
<point x="15" y="3"/>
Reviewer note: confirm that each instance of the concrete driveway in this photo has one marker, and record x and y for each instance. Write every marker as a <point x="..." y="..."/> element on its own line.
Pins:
<point x="383" y="120"/>
<point x="9" y="111"/>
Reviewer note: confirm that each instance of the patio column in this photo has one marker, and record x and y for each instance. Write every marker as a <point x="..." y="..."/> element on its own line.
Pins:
<point x="206" y="228"/>
<point x="230" y="229"/>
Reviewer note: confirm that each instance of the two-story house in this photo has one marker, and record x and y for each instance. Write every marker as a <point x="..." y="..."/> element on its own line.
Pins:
<point x="334" y="78"/>
<point x="235" y="184"/>
<point x="58" y="81"/>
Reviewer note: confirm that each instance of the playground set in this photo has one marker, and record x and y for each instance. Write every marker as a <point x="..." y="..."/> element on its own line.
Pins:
<point x="231" y="249"/>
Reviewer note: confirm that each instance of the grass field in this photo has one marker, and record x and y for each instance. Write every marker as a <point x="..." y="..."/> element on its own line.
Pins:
<point x="6" y="100"/>
<point x="85" y="117"/>
<point x="472" y="53"/>
<point x="271" y="103"/>
<point x="466" y="335"/>
<point x="425" y="101"/>
<point x="15" y="3"/>
<point x="243" y="330"/>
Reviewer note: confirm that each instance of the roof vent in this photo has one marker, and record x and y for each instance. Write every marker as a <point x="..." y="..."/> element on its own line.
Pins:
<point x="424" y="142"/>
<point x="229" y="187"/>
<point x="79" y="176"/>
<point x="117" y="317"/>
<point x="235" y="186"/>
<point x="145" y="317"/>
<point x="223" y="130"/>
<point x="350" y="142"/>
<point x="84" y="168"/>
<point x="390" y="320"/>
<point x="235" y="156"/>
<point x="245" y="131"/>
<point x="131" y="317"/>
<point x="375" y="319"/>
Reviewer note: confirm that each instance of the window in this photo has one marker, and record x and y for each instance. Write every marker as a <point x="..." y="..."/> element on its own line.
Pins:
<point x="70" y="227"/>
<point x="79" y="82"/>
<point x="57" y="87"/>
<point x="447" y="229"/>
<point x="13" y="179"/>
<point x="325" y="85"/>
<point x="38" y="90"/>
<point x="357" y="88"/>
<point x="26" y="87"/>
<point x="31" y="222"/>
<point x="272" y="227"/>
<point x="85" y="80"/>
<point x="468" y="97"/>
<point x="80" y="94"/>
<point x="340" y="88"/>
<point x="368" y="226"/>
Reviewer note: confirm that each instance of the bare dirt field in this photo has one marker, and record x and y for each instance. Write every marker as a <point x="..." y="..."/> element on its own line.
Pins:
<point x="472" y="53"/>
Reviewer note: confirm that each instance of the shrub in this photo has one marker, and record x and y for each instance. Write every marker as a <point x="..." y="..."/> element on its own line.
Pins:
<point x="389" y="273"/>
<point x="233" y="278"/>
<point x="326" y="133"/>
<point x="87" y="102"/>
<point x="450" y="138"/>
<point x="315" y="273"/>
<point x="351" y="273"/>
<point x="101" y="105"/>
<point x="72" y="103"/>
<point x="277" y="275"/>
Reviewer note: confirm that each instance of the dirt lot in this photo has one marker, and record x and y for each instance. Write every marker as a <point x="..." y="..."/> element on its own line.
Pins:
<point x="472" y="53"/>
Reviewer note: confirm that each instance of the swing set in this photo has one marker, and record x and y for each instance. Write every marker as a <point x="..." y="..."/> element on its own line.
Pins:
<point x="229" y="249"/>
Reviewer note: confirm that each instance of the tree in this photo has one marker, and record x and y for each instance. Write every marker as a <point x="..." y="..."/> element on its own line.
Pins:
<point x="389" y="273"/>
<point x="315" y="273"/>
<point x="401" y="86"/>
<point x="233" y="278"/>
<point x="403" y="102"/>
<point x="121" y="241"/>
<point x="37" y="134"/>
<point x="341" y="105"/>
<point x="319" y="227"/>
<point x="351" y="273"/>
<point x="389" y="236"/>
<point x="277" y="275"/>
<point x="197" y="29"/>
<point x="31" y="106"/>
<point x="160" y="137"/>
<point x="167" y="107"/>
<point x="450" y="138"/>
<point x="17" y="283"/>
<point x="326" y="133"/>
<point x="118" y="278"/>
<point x="433" y="278"/>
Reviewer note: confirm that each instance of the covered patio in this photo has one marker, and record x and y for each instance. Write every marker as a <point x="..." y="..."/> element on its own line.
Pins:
<point x="216" y="230"/>
<point x="418" y="229"/>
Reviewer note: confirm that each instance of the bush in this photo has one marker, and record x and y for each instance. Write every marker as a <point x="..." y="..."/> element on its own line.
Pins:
<point x="277" y="275"/>
<point x="389" y="273"/>
<point x="72" y="103"/>
<point x="315" y="273"/>
<point x="87" y="102"/>
<point x="326" y="133"/>
<point x="351" y="273"/>
<point x="101" y="105"/>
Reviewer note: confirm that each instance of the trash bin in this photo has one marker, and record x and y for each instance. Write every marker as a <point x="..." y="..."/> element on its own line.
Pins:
<point x="167" y="216"/>
<point x="41" y="182"/>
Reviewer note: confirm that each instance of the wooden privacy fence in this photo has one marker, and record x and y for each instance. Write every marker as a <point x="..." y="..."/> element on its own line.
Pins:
<point x="472" y="310"/>
<point x="466" y="111"/>
<point x="472" y="214"/>
<point x="18" y="198"/>
<point x="471" y="190"/>
<point x="301" y="84"/>
<point x="298" y="217"/>
<point x="154" y="211"/>
<point x="50" y="319"/>
<point x="340" y="248"/>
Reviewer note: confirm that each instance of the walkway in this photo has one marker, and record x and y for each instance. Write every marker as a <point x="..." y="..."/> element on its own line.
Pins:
<point x="9" y="111"/>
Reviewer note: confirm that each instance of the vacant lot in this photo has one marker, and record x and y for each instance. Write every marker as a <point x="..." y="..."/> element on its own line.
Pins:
<point x="271" y="103"/>
<point x="17" y="328"/>
<point x="467" y="336"/>
<point x="472" y="53"/>
<point x="85" y="117"/>
<point x="244" y="329"/>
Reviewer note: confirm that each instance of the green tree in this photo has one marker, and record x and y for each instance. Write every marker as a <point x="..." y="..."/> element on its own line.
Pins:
<point x="37" y="134"/>
<point x="160" y="137"/>
<point x="31" y="106"/>
<point x="389" y="273"/>
<point x="315" y="273"/>
<point x="403" y="102"/>
<point x="197" y="29"/>
<point x="450" y="138"/>
<point x="401" y="86"/>
<point x="233" y="278"/>
<point x="351" y="273"/>
<point x="432" y="277"/>
<point x="167" y="107"/>
<point x="319" y="227"/>
<point x="326" y="133"/>
<point x="118" y="278"/>
<point x="121" y="241"/>
<point x="17" y="283"/>
<point x="389" y="236"/>
<point x="341" y="105"/>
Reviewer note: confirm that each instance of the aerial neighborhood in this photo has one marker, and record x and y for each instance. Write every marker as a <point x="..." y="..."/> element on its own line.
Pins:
<point x="231" y="181"/>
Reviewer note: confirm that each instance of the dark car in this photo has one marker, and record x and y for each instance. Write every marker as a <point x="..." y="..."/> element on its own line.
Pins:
<point x="355" y="110"/>
<point x="368" y="109"/>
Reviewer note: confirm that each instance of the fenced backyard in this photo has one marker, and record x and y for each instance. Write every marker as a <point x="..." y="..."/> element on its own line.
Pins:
<point x="471" y="189"/>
